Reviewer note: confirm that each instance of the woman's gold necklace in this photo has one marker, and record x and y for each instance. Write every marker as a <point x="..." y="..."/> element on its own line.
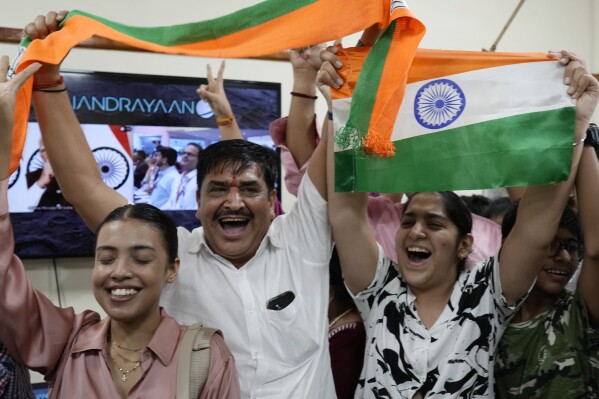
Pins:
<point x="125" y="372"/>
<point x="127" y="360"/>
<point x="136" y="363"/>
<point x="122" y="347"/>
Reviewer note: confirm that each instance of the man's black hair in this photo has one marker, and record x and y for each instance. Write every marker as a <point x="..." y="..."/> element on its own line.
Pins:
<point x="569" y="221"/>
<point x="497" y="207"/>
<point x="141" y="153"/>
<point x="236" y="156"/>
<point x="169" y="153"/>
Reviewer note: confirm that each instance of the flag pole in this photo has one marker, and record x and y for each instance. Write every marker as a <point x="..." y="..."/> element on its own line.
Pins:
<point x="506" y="26"/>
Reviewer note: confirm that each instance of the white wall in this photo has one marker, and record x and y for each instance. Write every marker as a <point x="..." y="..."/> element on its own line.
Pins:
<point x="458" y="24"/>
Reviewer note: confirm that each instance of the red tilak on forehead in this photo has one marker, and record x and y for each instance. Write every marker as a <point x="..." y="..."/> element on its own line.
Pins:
<point x="234" y="182"/>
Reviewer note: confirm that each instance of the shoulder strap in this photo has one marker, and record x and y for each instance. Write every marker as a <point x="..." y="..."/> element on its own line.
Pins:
<point x="194" y="361"/>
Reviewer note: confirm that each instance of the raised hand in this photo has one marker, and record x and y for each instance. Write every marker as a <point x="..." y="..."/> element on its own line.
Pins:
<point x="41" y="27"/>
<point x="214" y="93"/>
<point x="46" y="176"/>
<point x="327" y="75"/>
<point x="306" y="60"/>
<point x="582" y="86"/>
<point x="8" y="95"/>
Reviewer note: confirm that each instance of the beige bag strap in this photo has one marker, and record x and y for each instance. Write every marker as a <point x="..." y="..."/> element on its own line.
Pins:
<point x="194" y="361"/>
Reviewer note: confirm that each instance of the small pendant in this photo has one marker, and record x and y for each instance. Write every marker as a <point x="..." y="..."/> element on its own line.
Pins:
<point x="124" y="378"/>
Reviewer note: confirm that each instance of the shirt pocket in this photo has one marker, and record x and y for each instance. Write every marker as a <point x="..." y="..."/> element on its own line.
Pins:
<point x="291" y="338"/>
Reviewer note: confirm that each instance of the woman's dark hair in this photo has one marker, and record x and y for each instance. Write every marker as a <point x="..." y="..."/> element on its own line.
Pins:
<point x="456" y="211"/>
<point x="151" y="215"/>
<point x="237" y="156"/>
<point x="499" y="206"/>
<point x="569" y="221"/>
<point x="477" y="204"/>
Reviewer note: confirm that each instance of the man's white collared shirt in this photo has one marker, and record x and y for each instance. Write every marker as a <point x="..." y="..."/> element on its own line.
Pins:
<point x="183" y="192"/>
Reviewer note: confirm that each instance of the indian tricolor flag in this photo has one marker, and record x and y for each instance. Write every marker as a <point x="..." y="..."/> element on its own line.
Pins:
<point x="468" y="120"/>
<point x="265" y="28"/>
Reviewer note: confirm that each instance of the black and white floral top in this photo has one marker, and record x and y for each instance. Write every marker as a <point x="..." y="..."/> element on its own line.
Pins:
<point x="454" y="358"/>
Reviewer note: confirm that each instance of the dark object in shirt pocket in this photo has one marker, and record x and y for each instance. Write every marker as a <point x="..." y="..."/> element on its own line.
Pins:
<point x="280" y="301"/>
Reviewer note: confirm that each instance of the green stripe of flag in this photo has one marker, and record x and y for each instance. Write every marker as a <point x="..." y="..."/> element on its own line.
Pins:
<point x="206" y="30"/>
<point x="528" y="149"/>
<point x="364" y="94"/>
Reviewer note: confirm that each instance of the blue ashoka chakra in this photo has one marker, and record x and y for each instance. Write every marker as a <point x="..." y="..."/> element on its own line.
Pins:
<point x="439" y="103"/>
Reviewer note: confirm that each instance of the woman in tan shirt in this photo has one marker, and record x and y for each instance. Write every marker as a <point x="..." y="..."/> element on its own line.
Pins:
<point x="132" y="353"/>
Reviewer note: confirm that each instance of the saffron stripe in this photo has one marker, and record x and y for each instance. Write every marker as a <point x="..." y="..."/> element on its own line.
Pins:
<point x="431" y="64"/>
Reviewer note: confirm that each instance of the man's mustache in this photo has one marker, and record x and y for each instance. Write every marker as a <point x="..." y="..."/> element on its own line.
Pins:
<point x="244" y="213"/>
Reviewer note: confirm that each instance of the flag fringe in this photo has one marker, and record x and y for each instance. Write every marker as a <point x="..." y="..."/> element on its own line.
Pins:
<point x="348" y="137"/>
<point x="379" y="144"/>
<point x="373" y="143"/>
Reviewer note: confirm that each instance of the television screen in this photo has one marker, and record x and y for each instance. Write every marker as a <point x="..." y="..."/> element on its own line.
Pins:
<point x="120" y="114"/>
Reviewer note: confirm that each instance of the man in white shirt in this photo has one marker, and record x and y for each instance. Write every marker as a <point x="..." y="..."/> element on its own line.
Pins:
<point x="184" y="187"/>
<point x="264" y="283"/>
<point x="166" y="158"/>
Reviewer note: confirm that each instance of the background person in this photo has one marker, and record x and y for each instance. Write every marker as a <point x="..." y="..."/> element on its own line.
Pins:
<point x="497" y="209"/>
<point x="42" y="184"/>
<point x="142" y="194"/>
<point x="551" y="348"/>
<point x="166" y="160"/>
<point x="184" y="188"/>
<point x="14" y="378"/>
<point x="140" y="167"/>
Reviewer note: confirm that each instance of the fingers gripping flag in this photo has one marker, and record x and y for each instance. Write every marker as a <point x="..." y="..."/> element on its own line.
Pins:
<point x="265" y="28"/>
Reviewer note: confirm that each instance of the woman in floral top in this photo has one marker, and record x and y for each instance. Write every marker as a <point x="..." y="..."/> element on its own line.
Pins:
<point x="433" y="327"/>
